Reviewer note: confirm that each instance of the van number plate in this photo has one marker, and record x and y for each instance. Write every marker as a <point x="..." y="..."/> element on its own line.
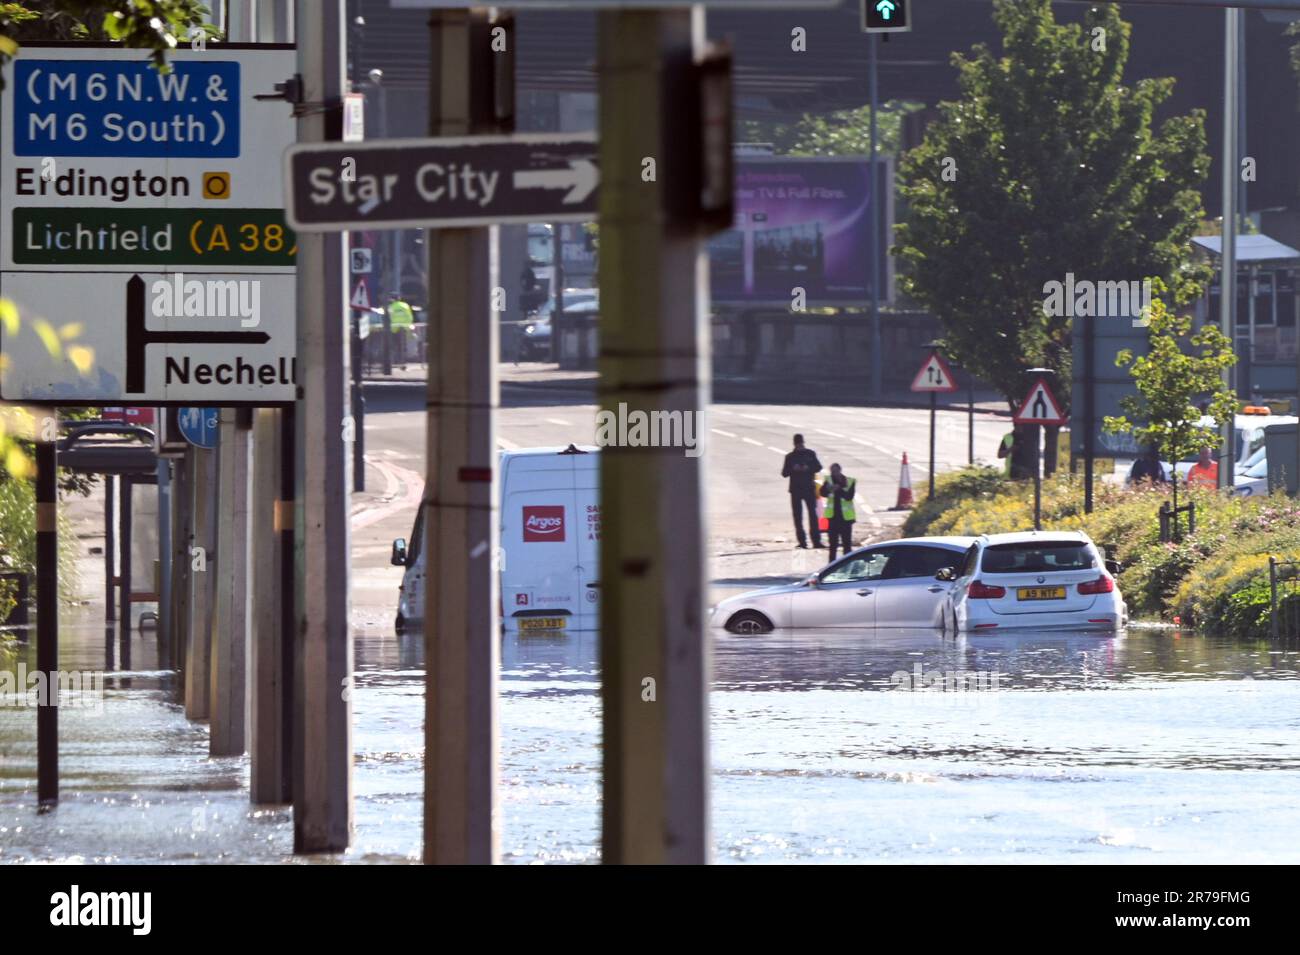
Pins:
<point x="1040" y="593"/>
<point x="541" y="623"/>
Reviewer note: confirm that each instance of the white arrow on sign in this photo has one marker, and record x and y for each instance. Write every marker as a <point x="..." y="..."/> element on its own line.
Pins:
<point x="581" y="179"/>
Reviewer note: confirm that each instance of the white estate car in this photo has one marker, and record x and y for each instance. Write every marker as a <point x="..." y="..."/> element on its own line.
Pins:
<point x="1039" y="579"/>
<point x="891" y="584"/>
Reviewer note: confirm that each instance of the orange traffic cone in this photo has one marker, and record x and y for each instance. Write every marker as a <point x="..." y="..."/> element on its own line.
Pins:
<point x="904" y="486"/>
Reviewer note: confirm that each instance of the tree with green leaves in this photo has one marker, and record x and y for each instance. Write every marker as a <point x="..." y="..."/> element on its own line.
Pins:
<point x="155" y="26"/>
<point x="1048" y="163"/>
<point x="841" y="132"/>
<point x="1179" y="370"/>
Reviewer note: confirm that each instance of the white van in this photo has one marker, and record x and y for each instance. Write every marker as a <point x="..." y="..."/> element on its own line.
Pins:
<point x="550" y="544"/>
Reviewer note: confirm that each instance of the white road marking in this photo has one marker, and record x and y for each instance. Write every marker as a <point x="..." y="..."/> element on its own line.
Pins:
<point x="507" y="444"/>
<point x="757" y="444"/>
<point x="560" y="421"/>
<point x="393" y="477"/>
<point x="777" y="450"/>
<point x="832" y="434"/>
<point x="725" y="434"/>
<point x="755" y="417"/>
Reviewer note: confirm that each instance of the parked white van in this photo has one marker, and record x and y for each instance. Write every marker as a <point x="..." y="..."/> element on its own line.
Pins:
<point x="550" y="544"/>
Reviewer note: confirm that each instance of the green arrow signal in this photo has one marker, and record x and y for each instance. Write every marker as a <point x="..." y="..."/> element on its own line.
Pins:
<point x="885" y="8"/>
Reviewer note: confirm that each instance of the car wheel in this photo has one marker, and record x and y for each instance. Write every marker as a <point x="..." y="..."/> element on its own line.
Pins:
<point x="400" y="624"/>
<point x="749" y="622"/>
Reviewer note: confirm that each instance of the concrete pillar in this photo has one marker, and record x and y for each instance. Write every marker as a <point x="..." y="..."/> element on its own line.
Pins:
<point x="201" y="560"/>
<point x="182" y="529"/>
<point x="654" y="648"/>
<point x="267" y="674"/>
<point x="461" y="633"/>
<point x="322" y="786"/>
<point x="230" y="616"/>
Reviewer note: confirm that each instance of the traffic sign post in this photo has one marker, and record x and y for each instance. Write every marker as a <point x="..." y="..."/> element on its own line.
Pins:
<point x="1039" y="408"/>
<point x="443" y="182"/>
<point x="137" y="219"/>
<point x="935" y="377"/>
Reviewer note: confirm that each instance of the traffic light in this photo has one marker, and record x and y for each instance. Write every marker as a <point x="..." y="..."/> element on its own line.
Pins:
<point x="886" y="16"/>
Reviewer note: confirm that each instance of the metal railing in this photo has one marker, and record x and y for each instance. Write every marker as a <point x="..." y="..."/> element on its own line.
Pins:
<point x="1283" y="597"/>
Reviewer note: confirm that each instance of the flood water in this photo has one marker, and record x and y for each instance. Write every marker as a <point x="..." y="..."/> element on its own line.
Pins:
<point x="1150" y="746"/>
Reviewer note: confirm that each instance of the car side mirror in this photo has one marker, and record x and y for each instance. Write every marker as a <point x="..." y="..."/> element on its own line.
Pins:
<point x="946" y="573"/>
<point x="812" y="580"/>
<point x="399" y="552"/>
<point x="1113" y="567"/>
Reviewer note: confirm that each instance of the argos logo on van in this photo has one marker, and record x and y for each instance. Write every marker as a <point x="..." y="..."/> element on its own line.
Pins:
<point x="544" y="522"/>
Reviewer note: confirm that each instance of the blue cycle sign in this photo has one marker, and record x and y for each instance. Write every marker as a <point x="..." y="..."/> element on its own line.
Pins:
<point x="126" y="109"/>
<point x="199" y="426"/>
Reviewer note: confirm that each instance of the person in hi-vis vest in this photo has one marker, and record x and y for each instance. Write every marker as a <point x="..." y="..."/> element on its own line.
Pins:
<point x="838" y="492"/>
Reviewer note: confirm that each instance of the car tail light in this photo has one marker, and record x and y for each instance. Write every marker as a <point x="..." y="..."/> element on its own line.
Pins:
<point x="980" y="589"/>
<point x="1102" y="585"/>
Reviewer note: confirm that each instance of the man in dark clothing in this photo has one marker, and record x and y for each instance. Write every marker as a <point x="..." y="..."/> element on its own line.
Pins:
<point x="801" y="467"/>
<point x="839" y="491"/>
<point x="1147" y="468"/>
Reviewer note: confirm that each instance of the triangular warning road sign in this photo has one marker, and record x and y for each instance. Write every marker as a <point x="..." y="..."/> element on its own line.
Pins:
<point x="935" y="375"/>
<point x="361" y="295"/>
<point x="1040" y="407"/>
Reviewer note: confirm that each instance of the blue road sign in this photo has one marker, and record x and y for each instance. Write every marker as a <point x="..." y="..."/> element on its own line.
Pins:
<point x="126" y="109"/>
<point x="199" y="426"/>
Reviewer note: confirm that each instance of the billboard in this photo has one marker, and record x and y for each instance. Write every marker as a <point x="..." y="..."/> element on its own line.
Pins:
<point x="803" y="223"/>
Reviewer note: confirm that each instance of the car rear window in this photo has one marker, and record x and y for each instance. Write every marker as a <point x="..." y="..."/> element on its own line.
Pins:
<point x="1032" y="557"/>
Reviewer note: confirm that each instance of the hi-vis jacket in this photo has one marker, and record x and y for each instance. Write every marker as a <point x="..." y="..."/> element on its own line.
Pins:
<point x="844" y="495"/>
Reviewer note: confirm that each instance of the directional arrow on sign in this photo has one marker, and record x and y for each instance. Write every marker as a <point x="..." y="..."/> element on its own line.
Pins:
<point x="581" y="179"/>
<point x="139" y="336"/>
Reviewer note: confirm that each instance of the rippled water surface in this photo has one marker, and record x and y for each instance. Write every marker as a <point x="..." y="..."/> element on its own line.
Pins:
<point x="1150" y="746"/>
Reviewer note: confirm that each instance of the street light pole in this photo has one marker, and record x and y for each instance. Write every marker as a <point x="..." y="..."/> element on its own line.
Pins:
<point x="873" y="194"/>
<point x="1228" y="247"/>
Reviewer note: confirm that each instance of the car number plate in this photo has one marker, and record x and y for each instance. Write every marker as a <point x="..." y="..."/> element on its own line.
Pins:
<point x="1040" y="593"/>
<point x="541" y="623"/>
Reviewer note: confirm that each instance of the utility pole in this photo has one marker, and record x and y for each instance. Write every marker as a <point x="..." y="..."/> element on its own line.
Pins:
<point x="322" y="790"/>
<point x="654" y="651"/>
<point x="1228" y="249"/>
<point x="461" y="632"/>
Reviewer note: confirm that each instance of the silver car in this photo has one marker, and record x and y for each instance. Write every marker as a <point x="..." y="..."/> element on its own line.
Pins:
<point x="891" y="584"/>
